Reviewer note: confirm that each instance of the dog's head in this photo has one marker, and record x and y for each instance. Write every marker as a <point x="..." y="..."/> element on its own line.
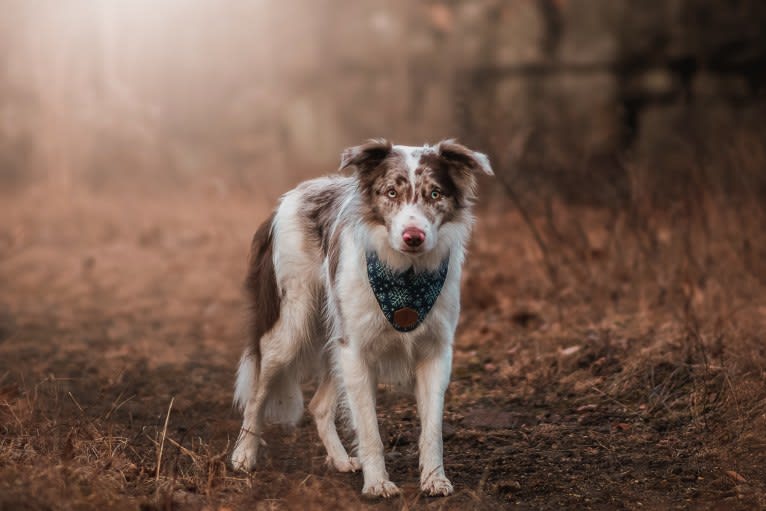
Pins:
<point x="415" y="191"/>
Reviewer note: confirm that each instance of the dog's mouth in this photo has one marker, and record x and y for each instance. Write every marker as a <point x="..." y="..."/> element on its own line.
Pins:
<point x="412" y="250"/>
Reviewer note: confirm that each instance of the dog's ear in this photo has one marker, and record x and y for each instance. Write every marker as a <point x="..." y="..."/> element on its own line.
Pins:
<point x="463" y="158"/>
<point x="366" y="156"/>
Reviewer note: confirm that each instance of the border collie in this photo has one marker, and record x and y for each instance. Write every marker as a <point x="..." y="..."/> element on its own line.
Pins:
<point x="356" y="280"/>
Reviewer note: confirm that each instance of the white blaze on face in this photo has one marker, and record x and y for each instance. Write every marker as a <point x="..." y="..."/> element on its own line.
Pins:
<point x="411" y="160"/>
<point x="411" y="214"/>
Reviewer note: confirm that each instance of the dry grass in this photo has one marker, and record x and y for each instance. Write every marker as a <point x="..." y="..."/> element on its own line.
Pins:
<point x="631" y="375"/>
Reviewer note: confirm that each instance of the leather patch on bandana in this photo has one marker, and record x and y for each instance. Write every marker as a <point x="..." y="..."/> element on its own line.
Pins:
<point x="406" y="317"/>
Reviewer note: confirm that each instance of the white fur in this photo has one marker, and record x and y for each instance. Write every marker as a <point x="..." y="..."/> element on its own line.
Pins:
<point x="349" y="343"/>
<point x="246" y="374"/>
<point x="411" y="156"/>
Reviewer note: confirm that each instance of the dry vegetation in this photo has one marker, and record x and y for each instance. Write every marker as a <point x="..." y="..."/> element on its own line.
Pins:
<point x="608" y="356"/>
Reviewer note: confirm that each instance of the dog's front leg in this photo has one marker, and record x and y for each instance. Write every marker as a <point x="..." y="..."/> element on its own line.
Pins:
<point x="431" y="380"/>
<point x="360" y="383"/>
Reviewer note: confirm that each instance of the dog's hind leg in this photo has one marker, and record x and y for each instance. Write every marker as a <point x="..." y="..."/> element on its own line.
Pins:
<point x="275" y="394"/>
<point x="246" y="449"/>
<point x="284" y="287"/>
<point x="323" y="407"/>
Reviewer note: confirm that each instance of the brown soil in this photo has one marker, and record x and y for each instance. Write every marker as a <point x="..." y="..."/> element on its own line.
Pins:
<point x="632" y="377"/>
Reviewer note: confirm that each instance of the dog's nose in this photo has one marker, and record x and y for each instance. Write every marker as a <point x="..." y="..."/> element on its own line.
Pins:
<point x="413" y="237"/>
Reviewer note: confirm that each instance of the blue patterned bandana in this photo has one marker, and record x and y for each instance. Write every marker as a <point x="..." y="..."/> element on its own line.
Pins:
<point x="405" y="298"/>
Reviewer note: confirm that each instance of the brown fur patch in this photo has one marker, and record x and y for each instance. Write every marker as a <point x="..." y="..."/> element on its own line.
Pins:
<point x="261" y="287"/>
<point x="319" y="212"/>
<point x="452" y="178"/>
<point x="390" y="174"/>
<point x="366" y="156"/>
<point x="320" y="209"/>
<point x="434" y="177"/>
<point x="333" y="253"/>
<point x="373" y="161"/>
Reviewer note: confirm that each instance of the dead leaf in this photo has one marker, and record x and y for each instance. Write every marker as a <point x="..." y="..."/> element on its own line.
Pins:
<point x="736" y="476"/>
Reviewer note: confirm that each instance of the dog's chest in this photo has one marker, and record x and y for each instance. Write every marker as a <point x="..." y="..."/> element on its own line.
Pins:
<point x="364" y="321"/>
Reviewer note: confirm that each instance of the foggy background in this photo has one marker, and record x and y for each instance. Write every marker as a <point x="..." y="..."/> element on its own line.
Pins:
<point x="226" y="93"/>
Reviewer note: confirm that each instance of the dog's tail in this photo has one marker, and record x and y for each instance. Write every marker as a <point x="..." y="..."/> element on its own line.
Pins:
<point x="247" y="376"/>
<point x="284" y="404"/>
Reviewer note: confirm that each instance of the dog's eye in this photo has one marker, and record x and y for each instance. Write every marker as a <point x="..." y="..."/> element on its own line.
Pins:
<point x="391" y="193"/>
<point x="436" y="195"/>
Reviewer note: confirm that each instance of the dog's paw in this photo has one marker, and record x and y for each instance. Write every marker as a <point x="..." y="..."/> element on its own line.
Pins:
<point x="437" y="486"/>
<point x="244" y="455"/>
<point x="380" y="489"/>
<point x="347" y="464"/>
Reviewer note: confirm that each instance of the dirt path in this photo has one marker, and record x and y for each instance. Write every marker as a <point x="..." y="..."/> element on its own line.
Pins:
<point x="110" y="308"/>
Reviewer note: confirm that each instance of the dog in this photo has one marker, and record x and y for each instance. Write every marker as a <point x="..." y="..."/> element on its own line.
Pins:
<point x="355" y="280"/>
